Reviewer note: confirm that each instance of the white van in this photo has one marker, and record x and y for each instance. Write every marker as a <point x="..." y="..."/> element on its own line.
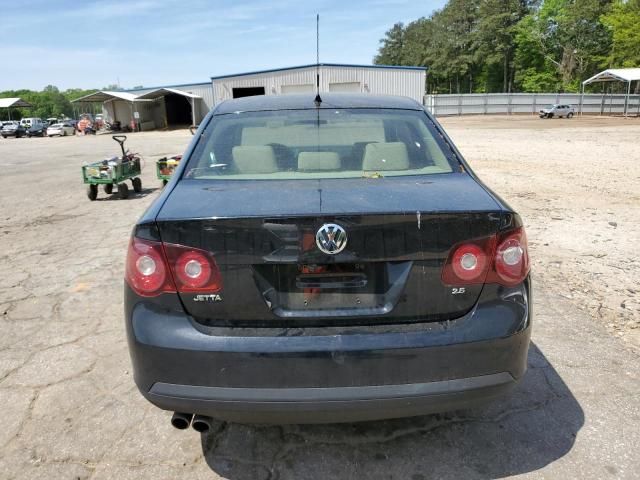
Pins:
<point x="27" y="123"/>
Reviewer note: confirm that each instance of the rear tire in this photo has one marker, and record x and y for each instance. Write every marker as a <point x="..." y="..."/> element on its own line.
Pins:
<point x="92" y="192"/>
<point x="108" y="188"/>
<point x="569" y="115"/>
<point x="123" y="190"/>
<point x="137" y="184"/>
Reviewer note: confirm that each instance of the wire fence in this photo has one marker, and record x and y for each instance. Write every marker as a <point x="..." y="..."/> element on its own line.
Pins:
<point x="523" y="103"/>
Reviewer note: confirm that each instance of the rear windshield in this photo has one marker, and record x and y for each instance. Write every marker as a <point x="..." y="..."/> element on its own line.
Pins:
<point x="323" y="143"/>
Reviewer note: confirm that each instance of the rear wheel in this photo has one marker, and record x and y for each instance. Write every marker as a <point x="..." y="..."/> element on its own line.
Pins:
<point x="137" y="184"/>
<point x="570" y="114"/>
<point x="92" y="192"/>
<point x="123" y="190"/>
<point x="108" y="188"/>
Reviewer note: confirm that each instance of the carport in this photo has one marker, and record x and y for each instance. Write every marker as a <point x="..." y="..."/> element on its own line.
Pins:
<point x="179" y="106"/>
<point x="625" y="75"/>
<point x="14" y="102"/>
<point x="119" y="107"/>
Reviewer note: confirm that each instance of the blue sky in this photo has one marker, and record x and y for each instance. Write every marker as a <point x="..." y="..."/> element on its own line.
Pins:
<point x="88" y="44"/>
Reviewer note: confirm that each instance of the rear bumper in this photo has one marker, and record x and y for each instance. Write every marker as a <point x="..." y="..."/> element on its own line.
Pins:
<point x="325" y="377"/>
<point x="329" y="405"/>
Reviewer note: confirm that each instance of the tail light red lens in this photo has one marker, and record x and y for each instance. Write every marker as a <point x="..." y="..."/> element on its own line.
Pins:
<point x="193" y="270"/>
<point x="146" y="269"/>
<point x="469" y="262"/>
<point x="501" y="258"/>
<point x="154" y="268"/>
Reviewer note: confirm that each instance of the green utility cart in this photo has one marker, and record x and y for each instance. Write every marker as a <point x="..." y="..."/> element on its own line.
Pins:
<point x="166" y="166"/>
<point x="113" y="171"/>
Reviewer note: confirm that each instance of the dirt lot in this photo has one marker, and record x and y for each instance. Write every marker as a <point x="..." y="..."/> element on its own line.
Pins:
<point x="578" y="190"/>
<point x="71" y="409"/>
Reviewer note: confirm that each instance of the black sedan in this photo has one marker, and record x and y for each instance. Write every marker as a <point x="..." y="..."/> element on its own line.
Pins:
<point x="12" y="129"/>
<point x="37" y="131"/>
<point x="325" y="261"/>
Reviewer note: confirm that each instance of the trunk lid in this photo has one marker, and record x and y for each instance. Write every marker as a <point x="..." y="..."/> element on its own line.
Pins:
<point x="263" y="236"/>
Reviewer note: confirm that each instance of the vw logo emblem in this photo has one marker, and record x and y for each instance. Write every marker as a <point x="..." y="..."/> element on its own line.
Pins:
<point x="331" y="238"/>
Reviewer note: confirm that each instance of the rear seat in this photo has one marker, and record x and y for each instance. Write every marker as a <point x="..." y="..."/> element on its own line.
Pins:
<point x="254" y="159"/>
<point x="385" y="156"/>
<point x="318" y="161"/>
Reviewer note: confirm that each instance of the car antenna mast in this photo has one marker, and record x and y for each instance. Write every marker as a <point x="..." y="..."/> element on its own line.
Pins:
<point x="318" y="100"/>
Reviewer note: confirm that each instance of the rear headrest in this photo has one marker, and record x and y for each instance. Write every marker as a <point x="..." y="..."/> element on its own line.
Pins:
<point x="254" y="159"/>
<point x="315" y="161"/>
<point x="385" y="156"/>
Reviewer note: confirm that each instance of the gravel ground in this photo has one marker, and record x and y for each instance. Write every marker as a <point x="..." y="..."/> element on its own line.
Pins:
<point x="578" y="190"/>
<point x="71" y="409"/>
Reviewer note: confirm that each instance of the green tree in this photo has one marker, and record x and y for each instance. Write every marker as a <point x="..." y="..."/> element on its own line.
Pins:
<point x="623" y="22"/>
<point x="391" y="50"/>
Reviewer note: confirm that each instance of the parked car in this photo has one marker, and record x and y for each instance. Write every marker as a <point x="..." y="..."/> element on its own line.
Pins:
<point x="369" y="274"/>
<point x="12" y="129"/>
<point x="61" y="129"/>
<point x="555" y="110"/>
<point x="27" y="123"/>
<point x="38" y="130"/>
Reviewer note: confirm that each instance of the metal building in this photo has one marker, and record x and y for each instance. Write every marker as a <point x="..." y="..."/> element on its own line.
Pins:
<point x="197" y="97"/>
<point x="157" y="107"/>
<point x="376" y="79"/>
<point x="173" y="106"/>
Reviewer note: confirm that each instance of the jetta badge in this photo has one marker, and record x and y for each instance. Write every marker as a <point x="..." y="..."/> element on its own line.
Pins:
<point x="331" y="238"/>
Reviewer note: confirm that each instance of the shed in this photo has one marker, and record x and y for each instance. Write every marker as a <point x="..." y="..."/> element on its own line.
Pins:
<point x="178" y="107"/>
<point x="625" y="75"/>
<point x="334" y="77"/>
<point x="121" y="107"/>
<point x="13" y="102"/>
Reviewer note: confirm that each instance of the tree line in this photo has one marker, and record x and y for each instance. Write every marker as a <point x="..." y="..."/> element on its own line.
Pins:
<point x="484" y="46"/>
<point x="48" y="103"/>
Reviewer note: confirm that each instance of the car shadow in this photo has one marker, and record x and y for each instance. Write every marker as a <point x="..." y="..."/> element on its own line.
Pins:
<point x="529" y="428"/>
<point x="104" y="197"/>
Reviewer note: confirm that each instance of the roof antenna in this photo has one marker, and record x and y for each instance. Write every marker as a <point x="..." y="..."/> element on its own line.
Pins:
<point x="318" y="100"/>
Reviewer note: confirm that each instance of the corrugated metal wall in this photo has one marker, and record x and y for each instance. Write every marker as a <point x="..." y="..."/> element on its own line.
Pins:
<point x="485" y="103"/>
<point x="204" y="90"/>
<point x="385" y="81"/>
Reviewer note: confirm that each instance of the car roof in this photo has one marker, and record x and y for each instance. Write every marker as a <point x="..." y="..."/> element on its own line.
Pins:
<point x="306" y="101"/>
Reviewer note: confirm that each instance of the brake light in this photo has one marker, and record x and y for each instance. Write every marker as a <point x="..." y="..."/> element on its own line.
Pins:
<point x="193" y="270"/>
<point x="469" y="262"/>
<point x="154" y="268"/>
<point x="501" y="258"/>
<point x="511" y="260"/>
<point x="146" y="270"/>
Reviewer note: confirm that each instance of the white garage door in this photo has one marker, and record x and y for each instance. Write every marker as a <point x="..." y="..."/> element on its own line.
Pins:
<point x="286" y="89"/>
<point x="345" y="87"/>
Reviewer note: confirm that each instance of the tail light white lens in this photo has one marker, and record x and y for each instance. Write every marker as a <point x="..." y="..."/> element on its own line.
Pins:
<point x="193" y="270"/>
<point x="146" y="271"/>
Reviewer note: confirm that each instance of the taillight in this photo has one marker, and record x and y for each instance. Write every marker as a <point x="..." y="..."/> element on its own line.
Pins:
<point x="193" y="270"/>
<point x="501" y="258"/>
<point x="146" y="269"/>
<point x="154" y="268"/>
<point x="511" y="260"/>
<point x="469" y="262"/>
